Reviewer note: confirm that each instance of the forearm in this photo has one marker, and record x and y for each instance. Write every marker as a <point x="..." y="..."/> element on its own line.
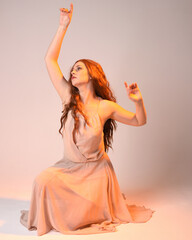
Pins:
<point x="55" y="46"/>
<point x="141" y="114"/>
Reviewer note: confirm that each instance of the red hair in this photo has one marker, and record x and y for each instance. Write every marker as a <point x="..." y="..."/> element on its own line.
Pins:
<point x="102" y="89"/>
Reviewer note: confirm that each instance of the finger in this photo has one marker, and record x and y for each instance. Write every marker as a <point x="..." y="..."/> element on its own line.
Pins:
<point x="63" y="10"/>
<point x="126" y="85"/>
<point x="131" y="90"/>
<point x="133" y="85"/>
<point x="71" y="8"/>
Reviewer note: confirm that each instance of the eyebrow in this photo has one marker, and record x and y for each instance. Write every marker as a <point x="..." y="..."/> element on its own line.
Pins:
<point x="78" y="66"/>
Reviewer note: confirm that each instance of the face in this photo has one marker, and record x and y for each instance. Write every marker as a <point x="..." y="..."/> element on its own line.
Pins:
<point x="79" y="74"/>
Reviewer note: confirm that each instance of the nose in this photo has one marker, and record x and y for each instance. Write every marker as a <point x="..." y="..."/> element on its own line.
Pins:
<point x="72" y="72"/>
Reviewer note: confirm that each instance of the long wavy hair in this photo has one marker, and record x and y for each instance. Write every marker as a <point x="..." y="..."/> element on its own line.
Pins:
<point x="102" y="90"/>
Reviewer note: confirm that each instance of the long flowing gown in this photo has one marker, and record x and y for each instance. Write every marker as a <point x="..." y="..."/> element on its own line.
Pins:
<point x="80" y="193"/>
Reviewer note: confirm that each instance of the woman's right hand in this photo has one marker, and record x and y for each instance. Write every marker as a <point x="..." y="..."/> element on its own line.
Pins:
<point x="66" y="15"/>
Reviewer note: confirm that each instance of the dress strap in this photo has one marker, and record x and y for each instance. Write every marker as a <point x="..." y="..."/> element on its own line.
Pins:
<point x="98" y="112"/>
<point x="98" y="106"/>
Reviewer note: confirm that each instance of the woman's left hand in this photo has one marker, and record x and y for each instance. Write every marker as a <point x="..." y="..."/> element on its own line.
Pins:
<point x="133" y="92"/>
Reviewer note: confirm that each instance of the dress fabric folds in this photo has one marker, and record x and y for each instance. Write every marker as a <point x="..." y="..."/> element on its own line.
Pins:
<point x="80" y="193"/>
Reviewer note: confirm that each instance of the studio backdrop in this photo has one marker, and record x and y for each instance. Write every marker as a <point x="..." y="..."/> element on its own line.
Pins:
<point x="148" y="42"/>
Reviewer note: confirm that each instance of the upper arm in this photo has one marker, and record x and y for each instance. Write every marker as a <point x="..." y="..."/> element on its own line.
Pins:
<point x="59" y="82"/>
<point x="118" y="113"/>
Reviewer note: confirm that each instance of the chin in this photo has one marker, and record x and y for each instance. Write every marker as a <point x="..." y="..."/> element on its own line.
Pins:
<point x="75" y="84"/>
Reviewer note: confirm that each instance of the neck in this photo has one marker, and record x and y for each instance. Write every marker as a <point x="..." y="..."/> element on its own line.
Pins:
<point x="87" y="94"/>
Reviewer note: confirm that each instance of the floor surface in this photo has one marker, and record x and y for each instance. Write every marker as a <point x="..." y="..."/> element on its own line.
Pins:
<point x="171" y="221"/>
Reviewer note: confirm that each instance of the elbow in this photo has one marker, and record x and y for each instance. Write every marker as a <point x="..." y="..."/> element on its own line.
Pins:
<point x="45" y="58"/>
<point x="48" y="58"/>
<point x="142" y="123"/>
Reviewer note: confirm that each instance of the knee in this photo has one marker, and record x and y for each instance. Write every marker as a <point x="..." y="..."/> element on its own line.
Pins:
<point x="43" y="179"/>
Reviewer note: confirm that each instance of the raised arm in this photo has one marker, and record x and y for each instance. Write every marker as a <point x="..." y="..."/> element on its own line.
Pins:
<point x="59" y="82"/>
<point x="115" y="111"/>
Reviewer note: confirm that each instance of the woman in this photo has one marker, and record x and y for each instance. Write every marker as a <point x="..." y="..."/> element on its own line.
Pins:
<point x="80" y="193"/>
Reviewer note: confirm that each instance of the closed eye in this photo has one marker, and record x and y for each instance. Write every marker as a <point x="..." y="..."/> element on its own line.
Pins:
<point x="77" y="69"/>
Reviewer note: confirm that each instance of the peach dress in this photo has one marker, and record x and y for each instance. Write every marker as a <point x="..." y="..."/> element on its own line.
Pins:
<point x="80" y="193"/>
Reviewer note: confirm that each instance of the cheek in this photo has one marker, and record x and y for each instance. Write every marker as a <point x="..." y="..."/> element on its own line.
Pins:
<point x="85" y="76"/>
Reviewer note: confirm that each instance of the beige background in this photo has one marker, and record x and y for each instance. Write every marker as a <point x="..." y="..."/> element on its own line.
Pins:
<point x="148" y="42"/>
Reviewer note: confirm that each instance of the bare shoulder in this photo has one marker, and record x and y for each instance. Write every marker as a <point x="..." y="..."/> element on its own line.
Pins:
<point x="106" y="104"/>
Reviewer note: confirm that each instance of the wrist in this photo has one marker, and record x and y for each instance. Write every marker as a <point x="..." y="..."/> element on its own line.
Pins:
<point x="63" y="27"/>
<point x="139" y="102"/>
